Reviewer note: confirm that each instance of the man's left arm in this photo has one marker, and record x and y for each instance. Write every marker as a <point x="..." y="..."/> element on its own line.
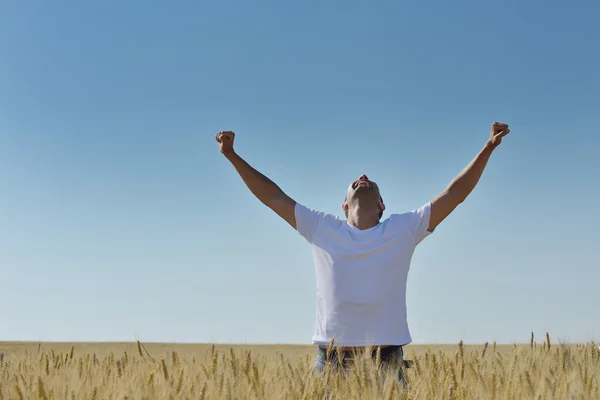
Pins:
<point x="461" y="186"/>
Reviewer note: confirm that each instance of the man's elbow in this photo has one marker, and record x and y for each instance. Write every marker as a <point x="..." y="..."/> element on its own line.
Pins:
<point x="276" y="200"/>
<point x="456" y="195"/>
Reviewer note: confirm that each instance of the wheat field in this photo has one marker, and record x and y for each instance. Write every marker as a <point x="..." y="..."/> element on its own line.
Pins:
<point x="177" y="371"/>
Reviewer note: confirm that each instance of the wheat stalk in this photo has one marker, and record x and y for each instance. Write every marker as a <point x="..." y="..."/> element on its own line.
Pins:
<point x="517" y="371"/>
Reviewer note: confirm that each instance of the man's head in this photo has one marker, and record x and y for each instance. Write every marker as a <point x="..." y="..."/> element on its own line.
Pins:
<point x="364" y="194"/>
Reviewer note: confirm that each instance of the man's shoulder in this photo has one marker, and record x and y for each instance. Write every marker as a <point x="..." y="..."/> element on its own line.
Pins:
<point x="407" y="216"/>
<point x="399" y="218"/>
<point x="322" y="215"/>
<point x="415" y="221"/>
<point x="331" y="219"/>
<point x="399" y="221"/>
<point x="309" y="221"/>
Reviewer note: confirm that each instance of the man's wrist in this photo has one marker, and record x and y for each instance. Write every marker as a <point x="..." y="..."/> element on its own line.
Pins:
<point x="230" y="155"/>
<point x="489" y="145"/>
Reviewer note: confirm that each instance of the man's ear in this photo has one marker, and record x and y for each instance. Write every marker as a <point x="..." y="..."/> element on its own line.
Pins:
<point x="381" y="206"/>
<point x="345" y="206"/>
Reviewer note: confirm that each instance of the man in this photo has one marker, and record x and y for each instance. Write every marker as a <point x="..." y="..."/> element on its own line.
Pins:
<point x="362" y="263"/>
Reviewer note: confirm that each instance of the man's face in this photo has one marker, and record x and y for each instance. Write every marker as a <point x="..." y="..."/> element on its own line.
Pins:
<point x="363" y="186"/>
<point x="366" y="190"/>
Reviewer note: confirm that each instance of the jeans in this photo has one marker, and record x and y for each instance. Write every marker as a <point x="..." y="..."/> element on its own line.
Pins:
<point x="391" y="357"/>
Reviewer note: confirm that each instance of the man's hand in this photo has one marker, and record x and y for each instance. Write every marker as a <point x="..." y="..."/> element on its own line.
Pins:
<point x="226" y="139"/>
<point x="499" y="130"/>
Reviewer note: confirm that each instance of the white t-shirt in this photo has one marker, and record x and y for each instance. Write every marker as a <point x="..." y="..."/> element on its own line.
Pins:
<point x="361" y="275"/>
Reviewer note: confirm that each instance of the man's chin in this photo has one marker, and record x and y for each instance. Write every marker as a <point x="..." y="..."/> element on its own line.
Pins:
<point x="363" y="189"/>
<point x="365" y="193"/>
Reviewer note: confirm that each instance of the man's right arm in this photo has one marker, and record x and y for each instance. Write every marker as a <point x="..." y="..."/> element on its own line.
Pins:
<point x="262" y="187"/>
<point x="265" y="189"/>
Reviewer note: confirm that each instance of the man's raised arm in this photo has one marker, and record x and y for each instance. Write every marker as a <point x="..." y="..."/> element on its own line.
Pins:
<point x="262" y="187"/>
<point x="465" y="182"/>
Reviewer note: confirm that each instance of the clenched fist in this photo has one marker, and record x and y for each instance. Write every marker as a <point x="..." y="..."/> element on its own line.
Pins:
<point x="225" y="139"/>
<point x="499" y="130"/>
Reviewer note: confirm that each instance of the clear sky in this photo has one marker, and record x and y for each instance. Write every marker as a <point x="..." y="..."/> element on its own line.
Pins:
<point x="120" y="219"/>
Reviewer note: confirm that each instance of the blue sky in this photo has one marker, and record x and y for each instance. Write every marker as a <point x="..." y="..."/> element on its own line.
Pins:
<point x="120" y="219"/>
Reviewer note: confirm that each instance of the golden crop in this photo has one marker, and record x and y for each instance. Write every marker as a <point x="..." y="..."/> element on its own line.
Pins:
<point x="128" y="371"/>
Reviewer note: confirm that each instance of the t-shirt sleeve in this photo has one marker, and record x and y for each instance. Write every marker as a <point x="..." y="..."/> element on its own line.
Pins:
<point x="307" y="221"/>
<point x="419" y="222"/>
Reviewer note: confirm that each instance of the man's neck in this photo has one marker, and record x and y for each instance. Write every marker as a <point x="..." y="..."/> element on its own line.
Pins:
<point x="361" y="219"/>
